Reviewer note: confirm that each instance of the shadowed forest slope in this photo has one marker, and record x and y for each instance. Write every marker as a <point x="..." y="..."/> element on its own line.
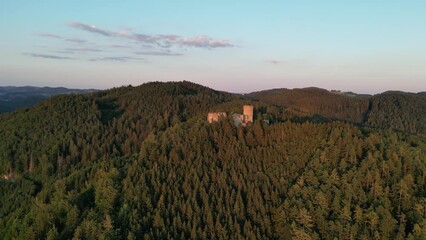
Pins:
<point x="398" y="110"/>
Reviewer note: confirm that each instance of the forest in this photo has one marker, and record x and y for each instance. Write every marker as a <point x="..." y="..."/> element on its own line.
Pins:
<point x="143" y="163"/>
<point x="391" y="110"/>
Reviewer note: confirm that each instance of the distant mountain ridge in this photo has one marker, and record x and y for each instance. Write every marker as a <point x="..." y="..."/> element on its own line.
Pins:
<point x="12" y="98"/>
<point x="397" y="110"/>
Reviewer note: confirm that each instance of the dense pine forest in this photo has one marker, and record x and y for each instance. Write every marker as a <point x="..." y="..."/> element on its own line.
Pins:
<point x="143" y="163"/>
<point x="391" y="110"/>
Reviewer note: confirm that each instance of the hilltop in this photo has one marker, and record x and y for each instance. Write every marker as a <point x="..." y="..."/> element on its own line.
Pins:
<point x="393" y="109"/>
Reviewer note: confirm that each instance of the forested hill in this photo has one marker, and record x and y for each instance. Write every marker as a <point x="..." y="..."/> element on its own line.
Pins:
<point x="309" y="101"/>
<point x="143" y="163"/>
<point x="398" y="110"/>
<point x="12" y="98"/>
<point x="395" y="110"/>
<point x="101" y="124"/>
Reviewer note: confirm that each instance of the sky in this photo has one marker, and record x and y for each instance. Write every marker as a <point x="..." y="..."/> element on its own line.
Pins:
<point x="365" y="46"/>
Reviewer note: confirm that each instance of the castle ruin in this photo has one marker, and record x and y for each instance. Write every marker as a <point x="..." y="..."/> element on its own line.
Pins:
<point x="244" y="119"/>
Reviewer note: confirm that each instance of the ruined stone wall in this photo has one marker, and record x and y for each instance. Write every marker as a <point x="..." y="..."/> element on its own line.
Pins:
<point x="214" y="116"/>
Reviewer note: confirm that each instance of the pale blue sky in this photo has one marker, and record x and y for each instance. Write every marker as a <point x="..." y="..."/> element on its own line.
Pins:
<point x="238" y="46"/>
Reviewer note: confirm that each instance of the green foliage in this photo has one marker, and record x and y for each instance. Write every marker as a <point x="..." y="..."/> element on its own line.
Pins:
<point x="143" y="163"/>
<point x="390" y="110"/>
<point x="397" y="110"/>
<point x="315" y="101"/>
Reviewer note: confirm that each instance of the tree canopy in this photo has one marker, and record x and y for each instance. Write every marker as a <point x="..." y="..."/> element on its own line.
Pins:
<point x="143" y="163"/>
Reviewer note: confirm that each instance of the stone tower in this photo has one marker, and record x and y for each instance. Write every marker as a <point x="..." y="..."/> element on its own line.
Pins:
<point x="248" y="113"/>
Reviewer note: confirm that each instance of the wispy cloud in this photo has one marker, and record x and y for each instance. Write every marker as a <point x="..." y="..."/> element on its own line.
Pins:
<point x="55" y="36"/>
<point x="84" y="50"/>
<point x="47" y="56"/>
<point x="159" y="53"/>
<point x="76" y="40"/>
<point x="90" y="28"/>
<point x="138" y="46"/>
<point x="120" y="46"/>
<point x="160" y="40"/>
<point x="204" y="42"/>
<point x="48" y="35"/>
<point x="116" y="59"/>
<point x="273" y="61"/>
<point x="63" y="51"/>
